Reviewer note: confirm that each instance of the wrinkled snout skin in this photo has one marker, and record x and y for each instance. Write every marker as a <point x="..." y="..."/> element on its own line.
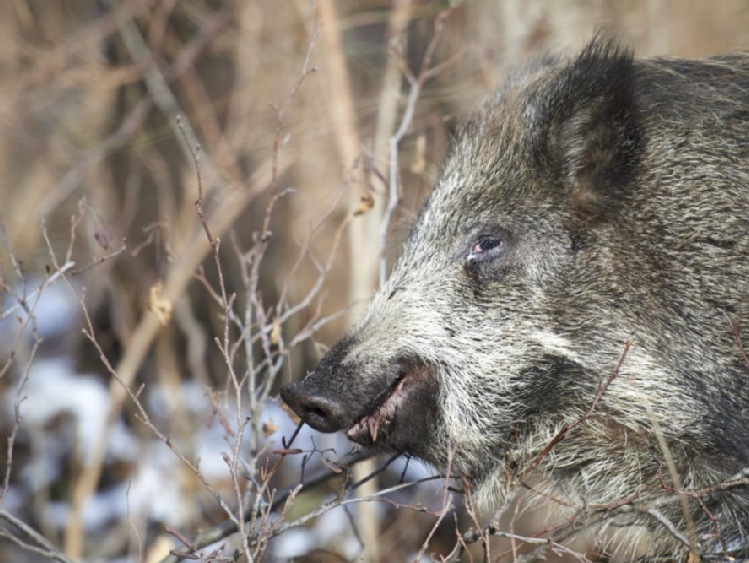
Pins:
<point x="590" y="202"/>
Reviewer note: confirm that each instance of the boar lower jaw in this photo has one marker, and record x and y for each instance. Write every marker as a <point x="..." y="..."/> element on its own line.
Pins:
<point x="380" y="421"/>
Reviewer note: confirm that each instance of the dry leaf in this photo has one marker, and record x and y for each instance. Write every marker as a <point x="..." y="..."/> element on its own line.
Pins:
<point x="275" y="333"/>
<point x="160" y="306"/>
<point x="288" y="451"/>
<point x="419" y="163"/>
<point x="292" y="415"/>
<point x="366" y="203"/>
<point x="332" y="466"/>
<point x="268" y="428"/>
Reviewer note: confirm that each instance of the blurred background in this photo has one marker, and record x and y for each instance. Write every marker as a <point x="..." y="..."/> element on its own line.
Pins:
<point x="111" y="281"/>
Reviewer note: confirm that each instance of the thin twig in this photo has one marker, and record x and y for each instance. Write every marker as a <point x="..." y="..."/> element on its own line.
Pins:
<point x="157" y="82"/>
<point x="560" y="435"/>
<point x="46" y="549"/>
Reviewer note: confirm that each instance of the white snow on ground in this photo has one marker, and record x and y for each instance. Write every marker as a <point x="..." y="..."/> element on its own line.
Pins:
<point x="191" y="395"/>
<point x="54" y="389"/>
<point x="102" y="508"/>
<point x="332" y="528"/>
<point x="150" y="493"/>
<point x="55" y="310"/>
<point x="61" y="408"/>
<point x="293" y="543"/>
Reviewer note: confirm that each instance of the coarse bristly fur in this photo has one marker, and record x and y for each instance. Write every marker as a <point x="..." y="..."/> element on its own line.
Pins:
<point x="590" y="202"/>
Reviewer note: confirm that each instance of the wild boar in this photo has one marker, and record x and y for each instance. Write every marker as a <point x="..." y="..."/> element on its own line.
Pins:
<point x="591" y="202"/>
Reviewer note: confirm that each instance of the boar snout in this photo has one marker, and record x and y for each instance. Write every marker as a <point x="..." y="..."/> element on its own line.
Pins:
<point x="314" y="406"/>
<point x="321" y="399"/>
<point x="374" y="400"/>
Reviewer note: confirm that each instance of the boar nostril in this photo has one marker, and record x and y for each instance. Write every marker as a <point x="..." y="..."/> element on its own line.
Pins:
<point x="321" y="413"/>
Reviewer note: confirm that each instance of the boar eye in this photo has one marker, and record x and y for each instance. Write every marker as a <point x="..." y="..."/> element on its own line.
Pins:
<point x="485" y="247"/>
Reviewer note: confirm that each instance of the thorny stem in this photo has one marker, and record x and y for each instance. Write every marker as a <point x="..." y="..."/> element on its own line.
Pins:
<point x="447" y="506"/>
<point x="28" y="304"/>
<point x="227" y="349"/>
<point x="224" y="344"/>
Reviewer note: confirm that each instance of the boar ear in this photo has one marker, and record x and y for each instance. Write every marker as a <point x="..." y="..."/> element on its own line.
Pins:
<point x="590" y="137"/>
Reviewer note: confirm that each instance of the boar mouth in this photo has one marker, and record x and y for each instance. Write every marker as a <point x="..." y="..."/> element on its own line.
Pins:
<point x="394" y="407"/>
<point x="381" y="418"/>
